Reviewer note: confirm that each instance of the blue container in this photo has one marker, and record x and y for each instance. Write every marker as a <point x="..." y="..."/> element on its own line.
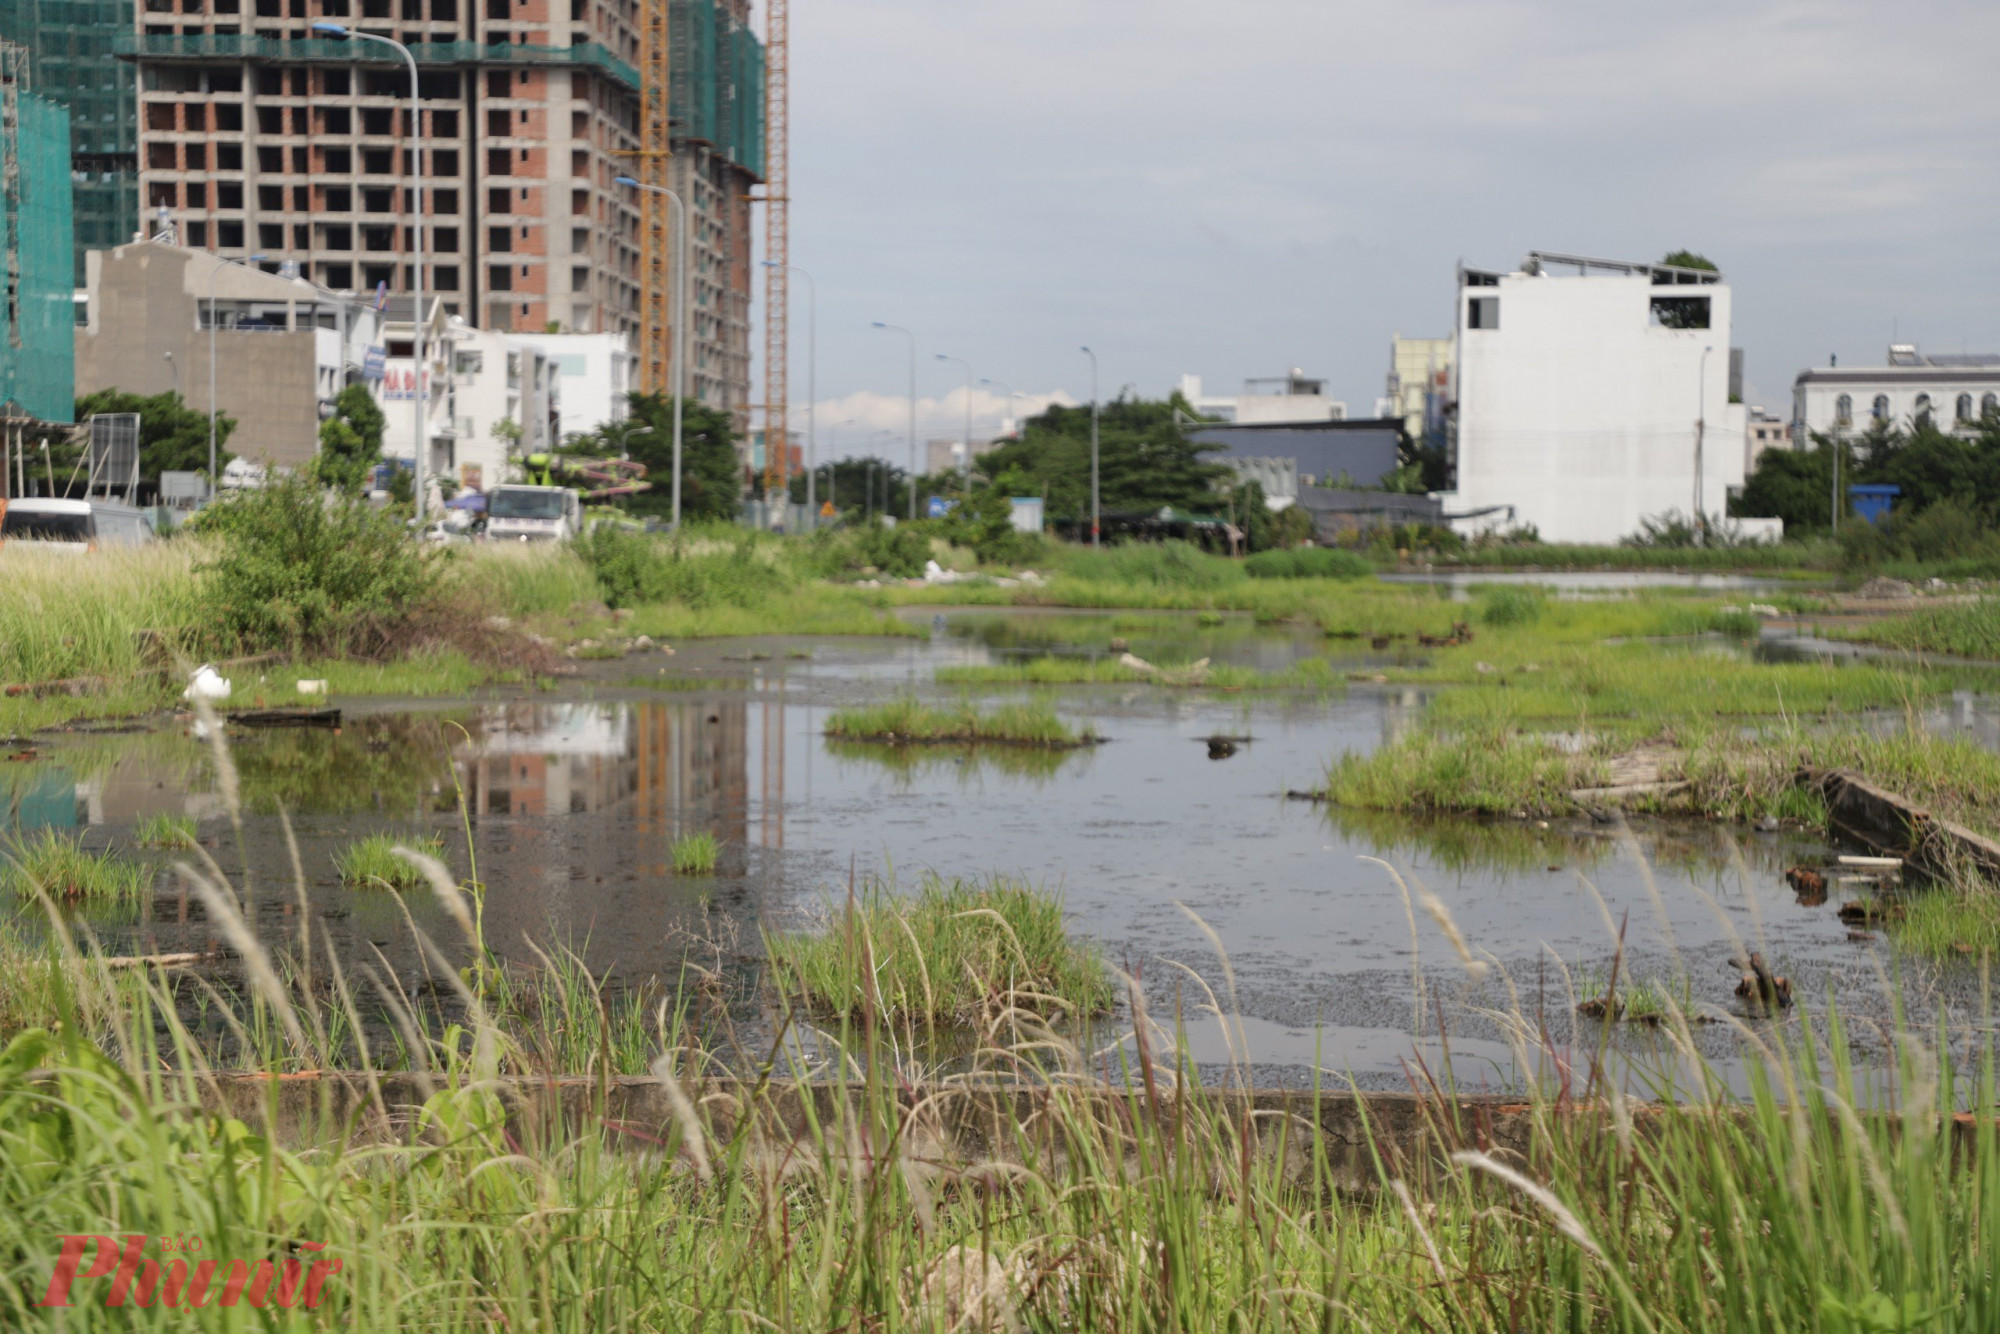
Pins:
<point x="1872" y="503"/>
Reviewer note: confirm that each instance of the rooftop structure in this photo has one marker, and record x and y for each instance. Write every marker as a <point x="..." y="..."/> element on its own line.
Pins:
<point x="1293" y="397"/>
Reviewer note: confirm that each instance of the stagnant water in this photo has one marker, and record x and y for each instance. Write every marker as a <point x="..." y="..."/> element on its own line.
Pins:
<point x="577" y="794"/>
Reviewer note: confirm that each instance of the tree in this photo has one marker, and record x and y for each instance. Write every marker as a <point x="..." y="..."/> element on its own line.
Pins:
<point x="350" y="441"/>
<point x="859" y="487"/>
<point x="173" y="437"/>
<point x="1688" y="259"/>
<point x="711" y="482"/>
<point x="1146" y="460"/>
<point x="1795" y="485"/>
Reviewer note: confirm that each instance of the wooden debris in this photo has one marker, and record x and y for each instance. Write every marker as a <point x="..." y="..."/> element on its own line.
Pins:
<point x="1808" y="884"/>
<point x="1767" y="993"/>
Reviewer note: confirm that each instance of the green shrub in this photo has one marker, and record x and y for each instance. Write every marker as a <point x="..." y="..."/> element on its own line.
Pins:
<point x="296" y="568"/>
<point x="633" y="569"/>
<point x="1308" y="563"/>
<point x="1170" y="564"/>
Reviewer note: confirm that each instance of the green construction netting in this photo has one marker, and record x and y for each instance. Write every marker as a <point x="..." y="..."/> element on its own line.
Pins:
<point x="38" y="342"/>
<point x="717" y="92"/>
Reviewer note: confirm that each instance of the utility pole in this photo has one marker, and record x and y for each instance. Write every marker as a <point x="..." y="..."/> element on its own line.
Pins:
<point x="1096" y="515"/>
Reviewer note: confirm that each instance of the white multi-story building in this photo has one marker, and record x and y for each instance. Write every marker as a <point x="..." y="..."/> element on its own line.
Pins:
<point x="596" y="372"/>
<point x="490" y="398"/>
<point x="1285" y="398"/>
<point x="1591" y="394"/>
<point x="1954" y="392"/>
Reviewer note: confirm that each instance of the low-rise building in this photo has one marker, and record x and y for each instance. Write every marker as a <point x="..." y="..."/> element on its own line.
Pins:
<point x="1763" y="431"/>
<point x="283" y="347"/>
<point x="596" y="374"/>
<point x="1292" y="397"/>
<point x="490" y="398"/>
<point x="1590" y="395"/>
<point x="1951" y="391"/>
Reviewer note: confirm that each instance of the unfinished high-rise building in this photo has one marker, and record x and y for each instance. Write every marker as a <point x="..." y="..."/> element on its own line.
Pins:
<point x="263" y="139"/>
<point x="259" y="138"/>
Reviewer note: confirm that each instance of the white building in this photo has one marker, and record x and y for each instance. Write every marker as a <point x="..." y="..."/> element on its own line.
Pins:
<point x="1284" y="398"/>
<point x="1591" y="394"/>
<point x="1953" y="391"/>
<point x="596" y="371"/>
<point x="490" y="398"/>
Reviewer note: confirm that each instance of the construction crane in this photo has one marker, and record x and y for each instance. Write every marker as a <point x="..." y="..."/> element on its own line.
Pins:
<point x="777" y="244"/>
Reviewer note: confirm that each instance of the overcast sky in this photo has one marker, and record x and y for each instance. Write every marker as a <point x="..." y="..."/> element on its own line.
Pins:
<point x="1234" y="187"/>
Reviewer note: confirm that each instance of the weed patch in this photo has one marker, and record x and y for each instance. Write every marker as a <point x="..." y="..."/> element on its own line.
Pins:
<point x="60" y="866"/>
<point x="165" y="831"/>
<point x="696" y="854"/>
<point x="373" y="863"/>
<point x="905" y="721"/>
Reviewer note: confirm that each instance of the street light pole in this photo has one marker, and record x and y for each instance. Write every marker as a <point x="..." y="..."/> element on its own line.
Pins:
<point x="1700" y="430"/>
<point x="679" y="372"/>
<point x="968" y="406"/>
<point x="1012" y="394"/>
<point x="422" y="446"/>
<point x="220" y="265"/>
<point x="897" y="328"/>
<point x="1096" y="516"/>
<point x="813" y="391"/>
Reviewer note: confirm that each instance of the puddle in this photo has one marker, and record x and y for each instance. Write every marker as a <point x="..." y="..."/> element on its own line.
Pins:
<point x="575" y="801"/>
<point x="1593" y="583"/>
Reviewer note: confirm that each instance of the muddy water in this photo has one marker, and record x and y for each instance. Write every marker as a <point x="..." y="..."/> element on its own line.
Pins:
<point x="576" y="795"/>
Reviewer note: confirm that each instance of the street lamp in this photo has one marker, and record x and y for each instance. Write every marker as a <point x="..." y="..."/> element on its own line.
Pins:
<point x="679" y="372"/>
<point x="220" y="265"/>
<point x="422" y="446"/>
<point x="1012" y="394"/>
<point x="812" y="389"/>
<point x="174" y="369"/>
<point x="1095" y="515"/>
<point x="897" y="328"/>
<point x="968" y="405"/>
<point x="1700" y="430"/>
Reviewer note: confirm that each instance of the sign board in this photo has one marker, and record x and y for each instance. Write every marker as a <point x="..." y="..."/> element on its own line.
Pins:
<point x="399" y="381"/>
<point x="182" y="490"/>
<point x="113" y="453"/>
<point x="374" y="363"/>
<point x="940" y="506"/>
<point x="1027" y="516"/>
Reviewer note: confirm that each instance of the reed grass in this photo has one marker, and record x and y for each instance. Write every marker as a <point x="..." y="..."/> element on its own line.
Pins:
<point x="374" y="863"/>
<point x="696" y="854"/>
<point x="1963" y="630"/>
<point x="1050" y="1185"/>
<point x="908" y="721"/>
<point x="951" y="954"/>
<point x="57" y="864"/>
<point x="165" y="831"/>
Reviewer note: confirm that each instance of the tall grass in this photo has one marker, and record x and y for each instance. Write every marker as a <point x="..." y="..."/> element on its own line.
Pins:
<point x="375" y="862"/>
<point x="1964" y="630"/>
<point x="956" y="952"/>
<point x="907" y="720"/>
<point x="57" y="864"/>
<point x="696" y="854"/>
<point x="838" y="1184"/>
<point x="66" y="616"/>
<point x="165" y="831"/>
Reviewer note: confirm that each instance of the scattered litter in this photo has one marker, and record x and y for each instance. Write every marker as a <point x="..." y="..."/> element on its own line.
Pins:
<point x="316" y="687"/>
<point x="1882" y="588"/>
<point x="1484" y="668"/>
<point x="643" y="644"/>
<point x="207" y="684"/>
<point x="1763" y="609"/>
<point x="1879" y="863"/>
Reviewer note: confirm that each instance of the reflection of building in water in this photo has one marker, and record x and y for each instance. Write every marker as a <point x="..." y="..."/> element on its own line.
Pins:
<point x="684" y="765"/>
<point x="694" y="773"/>
<point x="549" y="759"/>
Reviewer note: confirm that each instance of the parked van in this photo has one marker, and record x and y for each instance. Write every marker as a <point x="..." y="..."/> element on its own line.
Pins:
<point x="76" y="525"/>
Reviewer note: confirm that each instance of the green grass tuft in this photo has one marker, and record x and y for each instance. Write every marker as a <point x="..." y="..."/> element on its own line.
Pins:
<point x="907" y="721"/>
<point x="69" y="873"/>
<point x="696" y="854"/>
<point x="955" y="952"/>
<point x="374" y="864"/>
<point x="165" y="831"/>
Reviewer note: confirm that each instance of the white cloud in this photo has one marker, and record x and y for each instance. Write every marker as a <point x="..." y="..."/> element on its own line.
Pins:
<point x="869" y="423"/>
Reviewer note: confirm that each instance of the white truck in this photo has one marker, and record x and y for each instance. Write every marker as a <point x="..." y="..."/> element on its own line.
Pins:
<point x="518" y="513"/>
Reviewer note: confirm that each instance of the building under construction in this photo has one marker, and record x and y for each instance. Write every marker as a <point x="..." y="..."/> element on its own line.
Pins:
<point x="37" y="324"/>
<point x="69" y="46"/>
<point x="258" y="138"/>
